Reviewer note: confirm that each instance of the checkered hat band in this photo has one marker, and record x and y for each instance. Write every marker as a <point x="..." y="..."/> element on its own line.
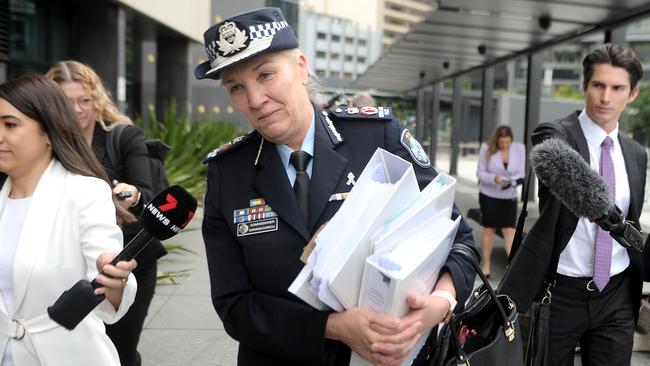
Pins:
<point x="256" y="46"/>
<point x="266" y="29"/>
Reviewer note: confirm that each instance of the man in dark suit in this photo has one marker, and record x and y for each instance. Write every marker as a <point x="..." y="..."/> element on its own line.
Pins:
<point x="595" y="283"/>
<point x="256" y="224"/>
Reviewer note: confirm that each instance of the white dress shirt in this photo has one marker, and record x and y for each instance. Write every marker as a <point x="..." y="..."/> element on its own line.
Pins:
<point x="307" y="146"/>
<point x="11" y="224"/>
<point x="577" y="259"/>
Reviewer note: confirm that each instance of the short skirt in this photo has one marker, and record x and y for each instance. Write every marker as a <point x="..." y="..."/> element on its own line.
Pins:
<point x="497" y="212"/>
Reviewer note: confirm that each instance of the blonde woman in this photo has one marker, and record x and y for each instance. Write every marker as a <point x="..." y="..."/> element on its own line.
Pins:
<point x="96" y="114"/>
<point x="501" y="164"/>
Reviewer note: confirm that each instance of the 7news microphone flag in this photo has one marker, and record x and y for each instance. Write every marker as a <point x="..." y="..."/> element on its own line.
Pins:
<point x="163" y="217"/>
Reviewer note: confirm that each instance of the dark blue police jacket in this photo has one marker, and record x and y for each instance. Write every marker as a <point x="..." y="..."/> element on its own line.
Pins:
<point x="251" y="266"/>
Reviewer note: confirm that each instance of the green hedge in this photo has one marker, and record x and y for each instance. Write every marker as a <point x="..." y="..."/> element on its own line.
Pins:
<point x="190" y="141"/>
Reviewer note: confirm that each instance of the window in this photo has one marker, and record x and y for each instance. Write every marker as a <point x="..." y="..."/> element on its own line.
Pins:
<point x="335" y="74"/>
<point x="349" y="40"/>
<point x="320" y="35"/>
<point x="347" y="75"/>
<point x="349" y="57"/>
<point x="320" y="54"/>
<point x="334" y="56"/>
<point x="335" y="38"/>
<point x="320" y="73"/>
<point x="361" y="60"/>
<point x="362" y="43"/>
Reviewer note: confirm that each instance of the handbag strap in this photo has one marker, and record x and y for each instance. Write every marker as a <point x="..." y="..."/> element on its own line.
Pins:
<point x="472" y="258"/>
<point x="113" y="150"/>
<point x="519" y="231"/>
<point x="549" y="279"/>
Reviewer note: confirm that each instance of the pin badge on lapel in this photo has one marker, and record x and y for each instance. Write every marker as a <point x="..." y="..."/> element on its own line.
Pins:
<point x="339" y="196"/>
<point x="351" y="180"/>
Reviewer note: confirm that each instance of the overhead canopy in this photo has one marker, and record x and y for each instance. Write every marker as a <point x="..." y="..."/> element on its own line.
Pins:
<point x="464" y="34"/>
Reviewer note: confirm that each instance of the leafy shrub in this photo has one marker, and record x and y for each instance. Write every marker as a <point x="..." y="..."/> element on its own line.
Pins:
<point x="189" y="142"/>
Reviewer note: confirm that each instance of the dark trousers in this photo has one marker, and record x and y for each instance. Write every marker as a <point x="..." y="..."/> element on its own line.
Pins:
<point x="125" y="334"/>
<point x="601" y="323"/>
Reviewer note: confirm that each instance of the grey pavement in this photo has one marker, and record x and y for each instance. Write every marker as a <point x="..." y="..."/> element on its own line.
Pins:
<point x="183" y="328"/>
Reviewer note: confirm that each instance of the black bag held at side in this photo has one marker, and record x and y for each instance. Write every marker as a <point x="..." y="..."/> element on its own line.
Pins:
<point x="486" y="332"/>
<point x="537" y="324"/>
<point x="534" y="322"/>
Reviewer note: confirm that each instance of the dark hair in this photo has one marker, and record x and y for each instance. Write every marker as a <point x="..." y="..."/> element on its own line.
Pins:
<point x="615" y="55"/>
<point x="493" y="142"/>
<point x="43" y="100"/>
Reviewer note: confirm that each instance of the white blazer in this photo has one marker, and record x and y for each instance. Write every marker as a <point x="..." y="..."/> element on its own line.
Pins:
<point x="70" y="222"/>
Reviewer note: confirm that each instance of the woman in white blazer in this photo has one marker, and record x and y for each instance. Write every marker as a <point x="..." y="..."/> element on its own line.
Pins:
<point x="58" y="225"/>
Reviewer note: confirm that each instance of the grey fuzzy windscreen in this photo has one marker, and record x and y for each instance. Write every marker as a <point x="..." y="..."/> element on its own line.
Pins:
<point x="571" y="179"/>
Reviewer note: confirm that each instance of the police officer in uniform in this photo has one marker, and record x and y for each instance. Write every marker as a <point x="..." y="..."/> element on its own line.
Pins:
<point x="270" y="190"/>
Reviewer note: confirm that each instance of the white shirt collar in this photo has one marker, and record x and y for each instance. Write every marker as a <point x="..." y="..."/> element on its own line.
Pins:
<point x="594" y="134"/>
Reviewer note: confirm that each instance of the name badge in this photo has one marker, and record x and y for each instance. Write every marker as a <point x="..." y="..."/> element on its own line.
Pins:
<point x="257" y="227"/>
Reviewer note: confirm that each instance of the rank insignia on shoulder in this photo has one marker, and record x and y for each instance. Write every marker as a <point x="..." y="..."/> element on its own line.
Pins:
<point x="377" y="113"/>
<point x="333" y="133"/>
<point x="228" y="146"/>
<point x="415" y="149"/>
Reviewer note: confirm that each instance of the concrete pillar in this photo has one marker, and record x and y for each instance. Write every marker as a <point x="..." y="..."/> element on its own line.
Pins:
<point x="435" y="117"/>
<point x="456" y="124"/>
<point x="147" y="57"/>
<point x="487" y="105"/>
<point x="426" y="127"/>
<point x="616" y="35"/>
<point x="3" y="72"/>
<point x="173" y="73"/>
<point x="533" y="99"/>
<point x="101" y="44"/>
<point x="420" y="115"/>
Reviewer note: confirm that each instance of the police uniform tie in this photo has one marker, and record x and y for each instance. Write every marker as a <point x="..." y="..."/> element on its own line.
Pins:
<point x="603" y="250"/>
<point x="299" y="159"/>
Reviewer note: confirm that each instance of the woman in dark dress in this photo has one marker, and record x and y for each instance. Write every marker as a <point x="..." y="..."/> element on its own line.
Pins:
<point x="131" y="178"/>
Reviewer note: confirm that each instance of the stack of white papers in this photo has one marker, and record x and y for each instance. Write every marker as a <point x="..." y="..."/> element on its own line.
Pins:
<point x="387" y="240"/>
<point x="334" y="269"/>
<point x="409" y="252"/>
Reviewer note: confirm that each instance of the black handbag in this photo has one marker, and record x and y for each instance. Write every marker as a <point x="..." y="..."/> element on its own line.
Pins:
<point x="534" y="322"/>
<point x="486" y="332"/>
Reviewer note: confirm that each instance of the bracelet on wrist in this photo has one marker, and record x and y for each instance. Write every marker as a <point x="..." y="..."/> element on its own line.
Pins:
<point x="450" y="298"/>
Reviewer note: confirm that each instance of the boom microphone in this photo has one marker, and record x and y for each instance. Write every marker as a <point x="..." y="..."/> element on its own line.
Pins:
<point x="163" y="217"/>
<point x="582" y="190"/>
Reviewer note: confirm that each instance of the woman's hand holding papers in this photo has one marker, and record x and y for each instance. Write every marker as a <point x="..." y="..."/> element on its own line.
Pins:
<point x="430" y="310"/>
<point x="383" y="339"/>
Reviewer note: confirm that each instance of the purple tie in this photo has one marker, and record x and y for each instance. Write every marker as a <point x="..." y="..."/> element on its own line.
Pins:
<point x="603" y="252"/>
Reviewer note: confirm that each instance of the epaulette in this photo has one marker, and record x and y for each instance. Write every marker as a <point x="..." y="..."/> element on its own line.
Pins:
<point x="365" y="113"/>
<point x="229" y="146"/>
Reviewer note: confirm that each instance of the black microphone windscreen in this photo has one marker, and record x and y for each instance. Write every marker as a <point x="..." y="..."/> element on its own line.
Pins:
<point x="568" y="176"/>
<point x="168" y="212"/>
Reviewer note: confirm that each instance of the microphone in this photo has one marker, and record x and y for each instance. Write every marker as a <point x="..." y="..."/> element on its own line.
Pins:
<point x="582" y="190"/>
<point x="163" y="217"/>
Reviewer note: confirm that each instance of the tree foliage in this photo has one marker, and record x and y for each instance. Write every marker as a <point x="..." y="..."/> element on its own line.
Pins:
<point x="189" y="142"/>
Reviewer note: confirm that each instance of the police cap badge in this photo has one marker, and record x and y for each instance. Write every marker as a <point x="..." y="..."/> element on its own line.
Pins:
<point x="243" y="36"/>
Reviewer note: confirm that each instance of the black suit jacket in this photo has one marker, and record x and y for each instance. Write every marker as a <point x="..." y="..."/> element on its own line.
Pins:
<point x="135" y="171"/>
<point x="250" y="274"/>
<point x="551" y="232"/>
